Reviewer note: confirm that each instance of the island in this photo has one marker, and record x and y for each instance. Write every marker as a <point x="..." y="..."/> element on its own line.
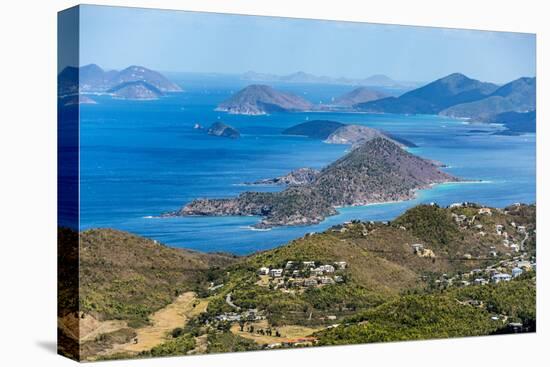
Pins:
<point x="377" y="171"/>
<point x="301" y="77"/>
<point x="434" y="97"/>
<point x="517" y="96"/>
<point x="93" y="79"/>
<point x="78" y="99"/>
<point x="334" y="132"/>
<point x="457" y="96"/>
<point x="138" y="90"/>
<point x="358" y="95"/>
<point x="261" y="99"/>
<point x="223" y="130"/>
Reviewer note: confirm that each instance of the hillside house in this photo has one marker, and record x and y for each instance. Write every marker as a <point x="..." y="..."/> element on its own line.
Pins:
<point x="316" y="272"/>
<point x="263" y="271"/>
<point x="485" y="211"/>
<point x="417" y="247"/>
<point x="480" y="281"/>
<point x="276" y="273"/>
<point x="231" y="316"/>
<point x="516" y="272"/>
<point x="341" y="265"/>
<point x="290" y="264"/>
<point x="327" y="268"/>
<point x="501" y="277"/>
<point x="309" y="264"/>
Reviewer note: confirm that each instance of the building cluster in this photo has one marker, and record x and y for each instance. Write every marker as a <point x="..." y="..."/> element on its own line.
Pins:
<point x="303" y="274"/>
<point x="249" y="315"/>
<point x="504" y="271"/>
<point x="512" y="239"/>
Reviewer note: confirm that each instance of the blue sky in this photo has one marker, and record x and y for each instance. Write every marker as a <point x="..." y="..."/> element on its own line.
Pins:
<point x="200" y="42"/>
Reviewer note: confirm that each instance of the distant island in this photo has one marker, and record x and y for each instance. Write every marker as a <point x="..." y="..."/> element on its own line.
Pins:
<point x="77" y="100"/>
<point x="334" y="132"/>
<point x="516" y="96"/>
<point x="377" y="171"/>
<point x="358" y="95"/>
<point x="138" y="90"/>
<point x="262" y="99"/>
<point x="223" y="130"/>
<point x="134" y="82"/>
<point x="516" y="122"/>
<point x="458" y="96"/>
<point x="300" y="77"/>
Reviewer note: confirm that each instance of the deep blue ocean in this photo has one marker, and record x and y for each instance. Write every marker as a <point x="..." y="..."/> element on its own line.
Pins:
<point x="139" y="159"/>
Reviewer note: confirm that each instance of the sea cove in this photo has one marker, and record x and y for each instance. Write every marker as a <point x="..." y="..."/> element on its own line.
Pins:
<point x="143" y="158"/>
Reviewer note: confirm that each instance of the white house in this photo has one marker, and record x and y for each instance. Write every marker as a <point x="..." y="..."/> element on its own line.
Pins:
<point x="501" y="277"/>
<point x="326" y="268"/>
<point x="290" y="264"/>
<point x="516" y="272"/>
<point x="263" y="270"/>
<point x="341" y="264"/>
<point x="480" y="281"/>
<point x="276" y="273"/>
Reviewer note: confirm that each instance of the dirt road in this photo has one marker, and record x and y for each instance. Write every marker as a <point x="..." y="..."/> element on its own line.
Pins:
<point x="163" y="322"/>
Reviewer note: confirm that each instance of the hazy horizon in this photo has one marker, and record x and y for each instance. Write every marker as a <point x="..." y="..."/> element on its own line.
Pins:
<point x="194" y="42"/>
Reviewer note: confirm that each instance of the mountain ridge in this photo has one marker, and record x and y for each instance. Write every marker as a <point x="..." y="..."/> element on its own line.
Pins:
<point x="433" y="97"/>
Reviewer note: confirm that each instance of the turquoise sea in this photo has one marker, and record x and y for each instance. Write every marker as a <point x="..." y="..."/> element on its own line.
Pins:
<point x="139" y="159"/>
